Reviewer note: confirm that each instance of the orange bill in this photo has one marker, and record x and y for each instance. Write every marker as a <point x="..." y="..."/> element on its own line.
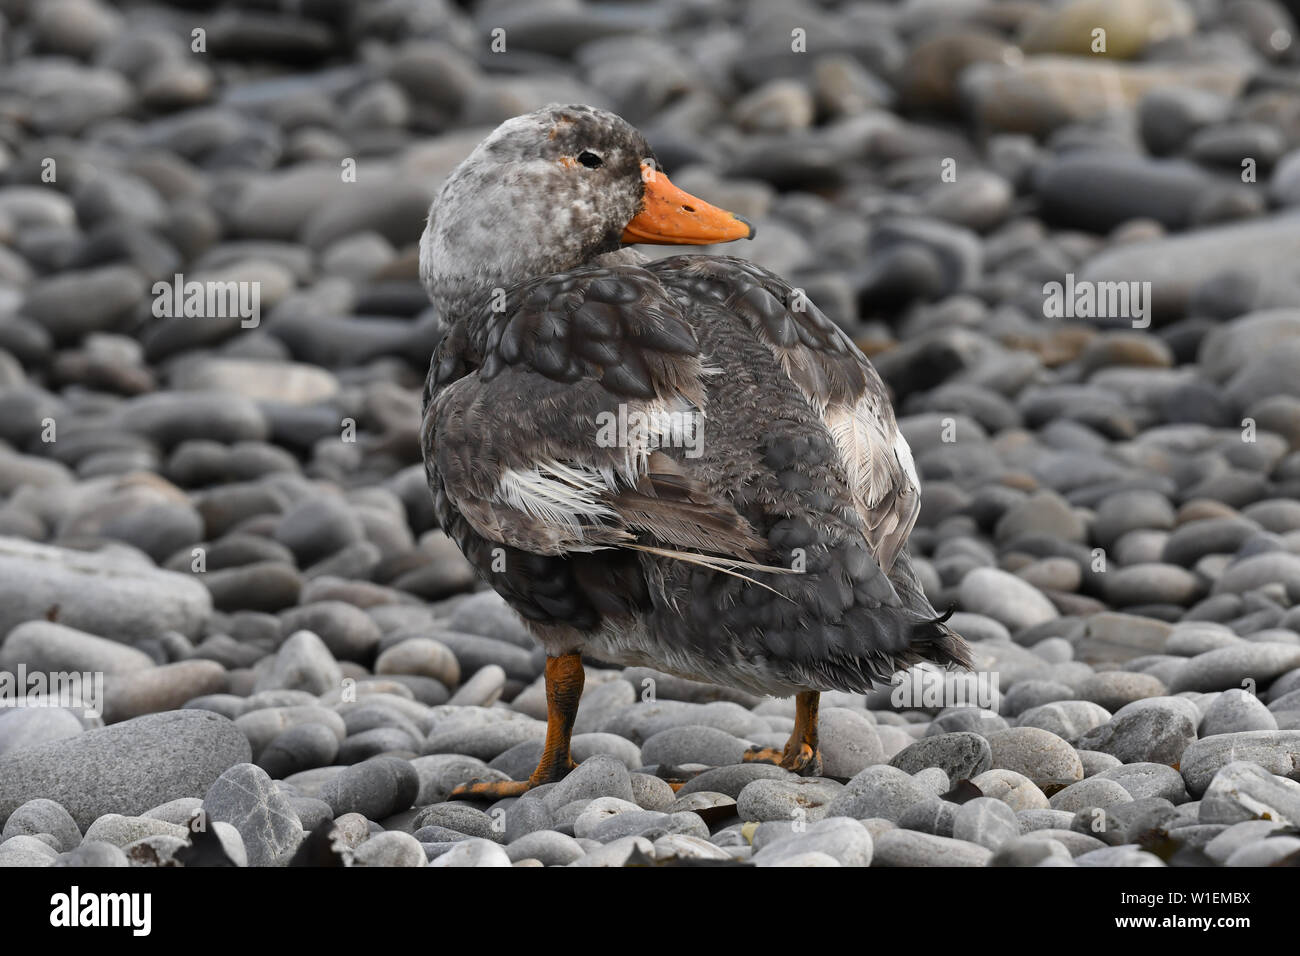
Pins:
<point x="670" y="216"/>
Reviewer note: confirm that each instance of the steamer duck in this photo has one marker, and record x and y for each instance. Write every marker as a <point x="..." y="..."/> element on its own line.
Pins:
<point x="679" y="463"/>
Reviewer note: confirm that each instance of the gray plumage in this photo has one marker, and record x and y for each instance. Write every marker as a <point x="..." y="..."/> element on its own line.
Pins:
<point x="649" y="553"/>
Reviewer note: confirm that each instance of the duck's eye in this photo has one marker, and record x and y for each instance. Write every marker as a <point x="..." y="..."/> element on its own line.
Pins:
<point x="590" y="159"/>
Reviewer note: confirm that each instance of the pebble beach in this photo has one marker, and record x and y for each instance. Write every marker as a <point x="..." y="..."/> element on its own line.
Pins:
<point x="1073" y="257"/>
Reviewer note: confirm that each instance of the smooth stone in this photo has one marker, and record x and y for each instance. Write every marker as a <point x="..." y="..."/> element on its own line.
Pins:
<point x="46" y="646"/>
<point x="317" y="527"/>
<point x="732" y="780"/>
<point x="264" y="586"/>
<point x="849" y="742"/>
<point x="845" y="840"/>
<point x="1271" y="852"/>
<point x="251" y="802"/>
<point x="1229" y="667"/>
<point x="648" y="823"/>
<point x="162" y="688"/>
<point x="121" y="830"/>
<point x="311" y="812"/>
<point x="1145" y="780"/>
<point x="1095" y="762"/>
<point x="1237" y="835"/>
<point x="1067" y="719"/>
<point x="43" y="816"/>
<point x="348" y="632"/>
<point x="1235" y="711"/>
<point x="96" y="593"/>
<point x="1092" y="792"/>
<point x="1246" y="791"/>
<point x="461" y="818"/>
<point x="1041" y="756"/>
<point x="473" y="853"/>
<point x="687" y="846"/>
<point x="1005" y="598"/>
<point x="1277" y="751"/>
<point x="1155" y="730"/>
<point x="652" y="793"/>
<point x="263" y="725"/>
<point x="126" y="768"/>
<point x="299" y="748"/>
<point x="1014" y="789"/>
<point x="1031" y="851"/>
<point x="376" y="788"/>
<point x="598" y="776"/>
<point x="795" y="798"/>
<point x="931" y="815"/>
<point x="421" y="656"/>
<point x="180" y="811"/>
<point x="910" y="848"/>
<point x="485" y="742"/>
<point x="26" y="851"/>
<point x="960" y="755"/>
<point x="1127" y="855"/>
<point x="390" y="848"/>
<point x="23" y="727"/>
<point x="551" y="848"/>
<point x="1029" y="694"/>
<point x="97" y="854"/>
<point x="303" y="662"/>
<point x="987" y="821"/>
<point x="483" y="689"/>
<point x="616" y="853"/>
<point x="683" y="745"/>
<point x="878" y="791"/>
<point x="440" y="774"/>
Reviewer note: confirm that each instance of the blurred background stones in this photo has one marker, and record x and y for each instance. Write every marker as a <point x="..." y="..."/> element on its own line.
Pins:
<point x="229" y="518"/>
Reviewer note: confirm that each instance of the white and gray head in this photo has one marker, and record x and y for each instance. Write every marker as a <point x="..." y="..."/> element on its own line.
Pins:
<point x="544" y="192"/>
<point x="547" y="192"/>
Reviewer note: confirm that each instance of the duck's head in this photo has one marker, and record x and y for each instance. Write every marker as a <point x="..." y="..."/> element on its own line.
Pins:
<point x="549" y="191"/>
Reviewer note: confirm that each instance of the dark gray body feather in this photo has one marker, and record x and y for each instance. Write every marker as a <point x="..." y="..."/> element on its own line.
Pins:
<point x="775" y="483"/>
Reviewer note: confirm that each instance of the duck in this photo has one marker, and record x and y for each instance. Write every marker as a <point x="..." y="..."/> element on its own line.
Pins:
<point x="678" y="463"/>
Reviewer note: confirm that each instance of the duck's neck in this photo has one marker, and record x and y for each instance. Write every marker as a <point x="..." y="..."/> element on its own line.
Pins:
<point x="457" y="295"/>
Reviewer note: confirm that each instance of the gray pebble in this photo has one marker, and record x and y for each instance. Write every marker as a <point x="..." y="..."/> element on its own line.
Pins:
<point x="1245" y="791"/>
<point x="910" y="848"/>
<point x="986" y="821"/>
<point x="794" y="798"/>
<point x="127" y="768"/>
<point x="246" y="798"/>
<point x="1156" y="730"/>
<point x="391" y="848"/>
<point x="93" y="853"/>
<point x="599" y="776"/>
<point x="960" y="755"/>
<point x="1276" y="751"/>
<point x="878" y="791"/>
<point x="1041" y="756"/>
<point x="551" y="848"/>
<point x="376" y="788"/>
<point x="1235" y="711"/>
<point x="44" y="816"/>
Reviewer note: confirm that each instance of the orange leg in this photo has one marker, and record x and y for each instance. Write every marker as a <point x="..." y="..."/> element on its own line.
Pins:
<point x="801" y="754"/>
<point x="564" y="679"/>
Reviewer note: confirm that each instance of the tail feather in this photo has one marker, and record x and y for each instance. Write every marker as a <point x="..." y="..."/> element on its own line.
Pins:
<point x="933" y="640"/>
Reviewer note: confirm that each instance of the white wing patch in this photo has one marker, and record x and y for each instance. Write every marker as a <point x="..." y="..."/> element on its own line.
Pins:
<point x="558" y="494"/>
<point x="881" y="473"/>
<point x="903" y="452"/>
<point x="867" y="448"/>
<point x="567" y="500"/>
<point x="569" y="496"/>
